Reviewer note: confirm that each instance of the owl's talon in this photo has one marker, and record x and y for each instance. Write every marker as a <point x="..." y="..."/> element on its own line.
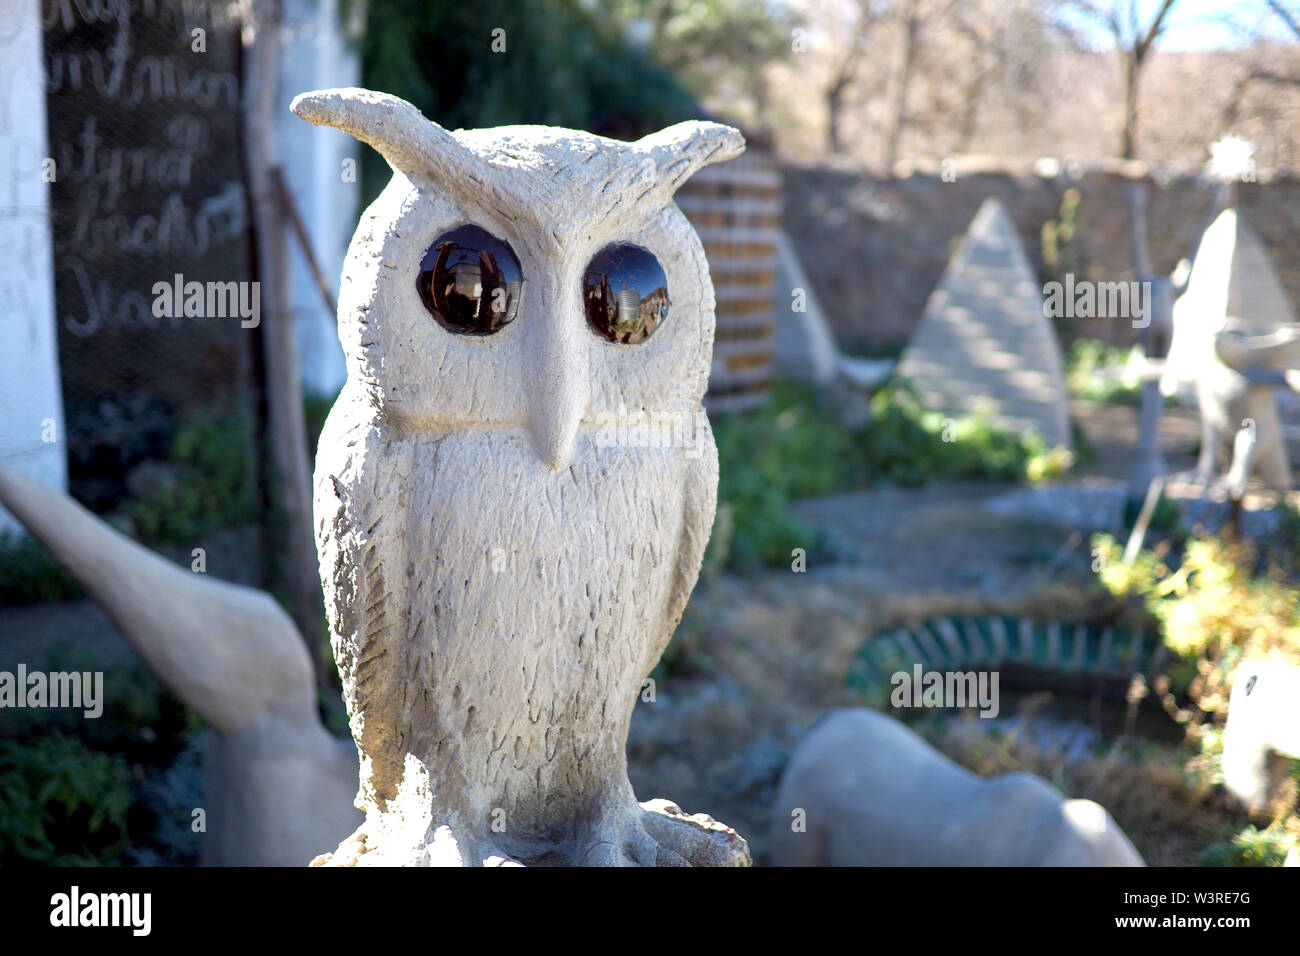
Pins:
<point x="348" y="853"/>
<point x="693" y="839"/>
<point x="617" y="838"/>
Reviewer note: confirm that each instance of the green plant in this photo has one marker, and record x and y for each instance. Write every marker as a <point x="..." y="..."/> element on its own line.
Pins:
<point x="784" y="451"/>
<point x="1250" y="847"/>
<point x="29" y="574"/>
<point x="1060" y="251"/>
<point x="1217" y="607"/>
<point x="1065" y="253"/>
<point x="1214" y="609"/>
<point x="315" y="409"/>
<point x="1286" y="548"/>
<point x="907" y="444"/>
<point x="1099" y="372"/>
<point x="108" y="437"/>
<point x="61" y="804"/>
<point x="563" y="64"/>
<point x="796" y="448"/>
<point x="207" y="485"/>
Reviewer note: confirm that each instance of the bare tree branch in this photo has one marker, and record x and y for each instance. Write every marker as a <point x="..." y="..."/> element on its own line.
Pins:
<point x="1268" y="76"/>
<point x="845" y="72"/>
<point x="1143" y="46"/>
<point x="1287" y="17"/>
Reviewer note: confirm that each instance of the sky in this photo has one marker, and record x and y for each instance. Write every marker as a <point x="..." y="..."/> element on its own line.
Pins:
<point x="1205" y="24"/>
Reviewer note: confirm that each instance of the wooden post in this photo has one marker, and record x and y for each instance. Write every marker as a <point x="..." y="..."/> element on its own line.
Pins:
<point x="1148" y="463"/>
<point x="287" y="431"/>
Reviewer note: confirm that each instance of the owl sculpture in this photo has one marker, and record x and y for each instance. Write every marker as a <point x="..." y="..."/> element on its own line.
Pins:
<point x="505" y="547"/>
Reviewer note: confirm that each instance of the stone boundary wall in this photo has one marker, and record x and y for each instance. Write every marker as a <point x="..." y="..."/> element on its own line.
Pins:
<point x="875" y="244"/>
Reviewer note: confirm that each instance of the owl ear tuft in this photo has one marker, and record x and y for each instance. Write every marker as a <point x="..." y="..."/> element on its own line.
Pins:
<point x="681" y="150"/>
<point x="411" y="143"/>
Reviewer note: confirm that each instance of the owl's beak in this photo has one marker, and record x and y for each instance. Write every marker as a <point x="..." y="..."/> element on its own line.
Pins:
<point x="557" y="387"/>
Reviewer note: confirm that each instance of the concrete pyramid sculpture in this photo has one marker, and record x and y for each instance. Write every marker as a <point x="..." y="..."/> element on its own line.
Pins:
<point x="1231" y="277"/>
<point x="984" y="344"/>
<point x="1255" y="292"/>
<point x="805" y="346"/>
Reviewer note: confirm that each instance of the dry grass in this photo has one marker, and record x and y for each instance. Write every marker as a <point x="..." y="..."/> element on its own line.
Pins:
<point x="1169" y="820"/>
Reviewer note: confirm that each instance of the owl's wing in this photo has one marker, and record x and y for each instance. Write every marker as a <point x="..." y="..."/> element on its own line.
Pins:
<point x="700" y="503"/>
<point x="362" y="556"/>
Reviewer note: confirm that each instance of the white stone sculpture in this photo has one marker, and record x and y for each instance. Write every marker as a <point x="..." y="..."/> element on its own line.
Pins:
<point x="1235" y="340"/>
<point x="1263" y="730"/>
<point x="278" y="788"/>
<point x="867" y="791"/>
<point x="1239" y="415"/>
<point x="502" y="564"/>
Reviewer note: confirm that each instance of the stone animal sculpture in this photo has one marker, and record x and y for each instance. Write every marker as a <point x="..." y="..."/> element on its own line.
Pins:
<point x="1235" y="340"/>
<point x="1263" y="730"/>
<point x="1239" y="413"/>
<point x="502" y="566"/>
<point x="870" y="792"/>
<point x="278" y="787"/>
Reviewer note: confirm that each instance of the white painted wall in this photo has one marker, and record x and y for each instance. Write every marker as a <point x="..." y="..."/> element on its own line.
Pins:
<point x="31" y="402"/>
<point x="317" y="55"/>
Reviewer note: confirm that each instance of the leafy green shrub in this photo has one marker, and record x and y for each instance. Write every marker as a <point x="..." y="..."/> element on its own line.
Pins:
<point x="1217" y="607"/>
<point x="781" y="452"/>
<point x="1062" y="252"/>
<point x="1250" y="847"/>
<point x="209" y="486"/>
<point x="61" y="804"/>
<point x="792" y="448"/>
<point x="29" y="574"/>
<point x="1096" y="370"/>
<point x="574" y="69"/>
<point x="107" y="437"/>
<point x="1214" y="610"/>
<point x="906" y="444"/>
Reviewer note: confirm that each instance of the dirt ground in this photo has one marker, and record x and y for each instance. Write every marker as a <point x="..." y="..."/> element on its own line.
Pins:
<point x="758" y="659"/>
<point x="1112" y="433"/>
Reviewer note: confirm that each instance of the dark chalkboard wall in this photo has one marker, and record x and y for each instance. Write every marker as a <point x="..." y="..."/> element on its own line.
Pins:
<point x="145" y="134"/>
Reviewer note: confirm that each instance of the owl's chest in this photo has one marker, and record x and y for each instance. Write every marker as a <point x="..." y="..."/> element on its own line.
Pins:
<point x="498" y="543"/>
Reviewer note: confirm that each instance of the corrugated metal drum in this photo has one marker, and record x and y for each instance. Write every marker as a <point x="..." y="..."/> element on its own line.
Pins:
<point x="736" y="209"/>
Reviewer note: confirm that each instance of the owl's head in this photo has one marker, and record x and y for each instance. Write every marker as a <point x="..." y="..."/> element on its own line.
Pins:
<point x="525" y="276"/>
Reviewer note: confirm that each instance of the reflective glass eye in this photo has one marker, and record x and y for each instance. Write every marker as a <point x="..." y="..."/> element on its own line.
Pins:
<point x="471" y="282"/>
<point x="625" y="293"/>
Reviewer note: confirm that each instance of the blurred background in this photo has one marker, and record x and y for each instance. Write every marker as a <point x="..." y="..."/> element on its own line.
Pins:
<point x="855" y="503"/>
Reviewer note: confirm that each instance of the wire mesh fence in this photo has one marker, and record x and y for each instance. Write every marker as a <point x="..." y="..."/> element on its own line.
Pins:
<point x="157" y="310"/>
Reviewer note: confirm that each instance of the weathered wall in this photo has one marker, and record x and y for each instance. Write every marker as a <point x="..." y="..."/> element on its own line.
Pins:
<point x="875" y="245"/>
<point x="31" y="407"/>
